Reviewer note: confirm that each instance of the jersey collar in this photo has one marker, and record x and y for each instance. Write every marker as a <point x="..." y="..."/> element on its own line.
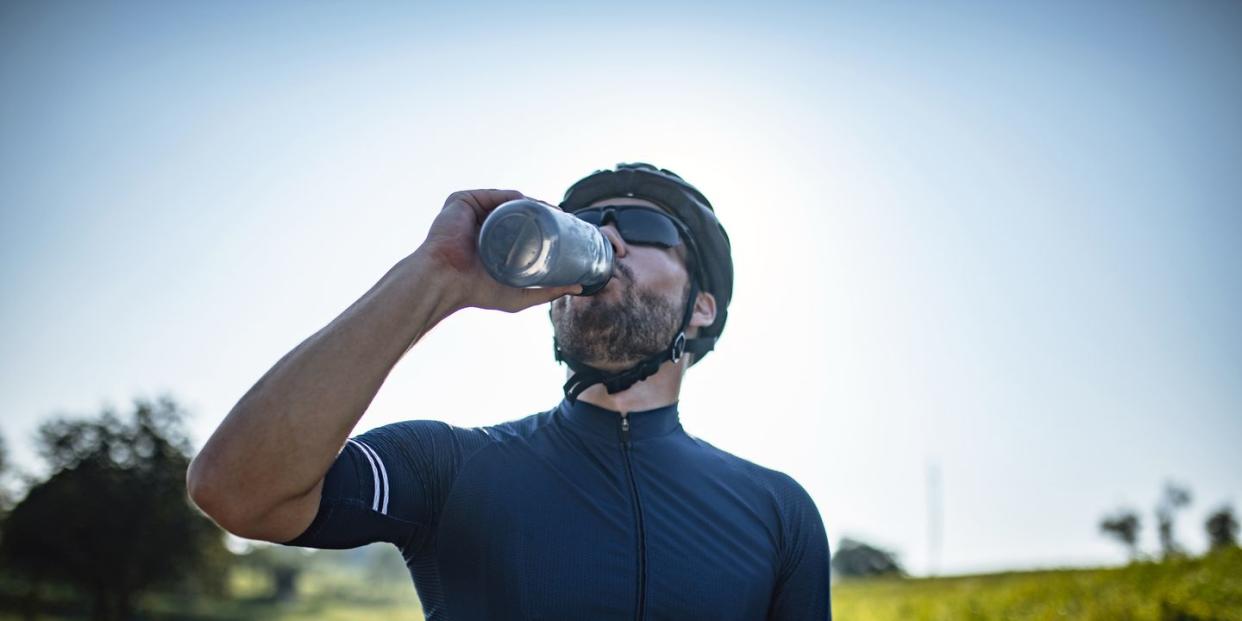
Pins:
<point x="607" y="423"/>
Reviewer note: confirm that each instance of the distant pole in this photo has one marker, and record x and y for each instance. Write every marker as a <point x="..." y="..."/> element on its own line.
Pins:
<point x="934" y="521"/>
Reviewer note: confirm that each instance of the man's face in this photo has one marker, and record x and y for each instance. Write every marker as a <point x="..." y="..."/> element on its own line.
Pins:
<point x="636" y="315"/>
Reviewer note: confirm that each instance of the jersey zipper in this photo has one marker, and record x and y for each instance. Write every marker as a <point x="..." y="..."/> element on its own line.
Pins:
<point x="638" y="515"/>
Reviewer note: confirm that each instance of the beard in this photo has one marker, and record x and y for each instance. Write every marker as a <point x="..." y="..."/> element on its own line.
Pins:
<point x="616" y="334"/>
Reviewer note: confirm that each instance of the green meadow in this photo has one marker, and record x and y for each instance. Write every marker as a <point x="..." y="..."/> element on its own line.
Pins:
<point x="1195" y="589"/>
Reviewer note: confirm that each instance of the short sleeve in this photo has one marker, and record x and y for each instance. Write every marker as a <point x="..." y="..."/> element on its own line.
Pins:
<point x="802" y="589"/>
<point x="389" y="485"/>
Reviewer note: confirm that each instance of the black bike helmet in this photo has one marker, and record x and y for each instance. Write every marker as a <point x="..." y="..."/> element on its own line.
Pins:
<point x="712" y="269"/>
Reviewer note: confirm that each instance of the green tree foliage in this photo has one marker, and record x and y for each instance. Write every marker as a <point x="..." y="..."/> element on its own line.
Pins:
<point x="1222" y="528"/>
<point x="5" y="500"/>
<point x="1124" y="526"/>
<point x="112" y="519"/>
<point x="1174" y="499"/>
<point x="854" y="558"/>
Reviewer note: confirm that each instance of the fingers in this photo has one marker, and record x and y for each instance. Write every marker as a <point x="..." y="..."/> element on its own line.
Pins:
<point x="540" y="296"/>
<point x="535" y="297"/>
<point x="512" y="299"/>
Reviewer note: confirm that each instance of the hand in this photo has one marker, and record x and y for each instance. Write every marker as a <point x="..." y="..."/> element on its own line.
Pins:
<point x="452" y="248"/>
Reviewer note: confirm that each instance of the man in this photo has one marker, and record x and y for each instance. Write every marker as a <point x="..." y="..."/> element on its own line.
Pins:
<point x="600" y="508"/>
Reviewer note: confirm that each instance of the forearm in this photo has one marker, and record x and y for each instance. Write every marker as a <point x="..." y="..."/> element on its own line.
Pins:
<point x="283" y="435"/>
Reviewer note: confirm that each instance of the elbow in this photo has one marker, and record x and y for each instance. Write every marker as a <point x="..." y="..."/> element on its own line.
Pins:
<point x="201" y="489"/>
<point x="206" y="490"/>
<point x="229" y="507"/>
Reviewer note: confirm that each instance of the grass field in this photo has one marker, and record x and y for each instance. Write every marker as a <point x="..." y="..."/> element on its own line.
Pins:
<point x="1198" y="589"/>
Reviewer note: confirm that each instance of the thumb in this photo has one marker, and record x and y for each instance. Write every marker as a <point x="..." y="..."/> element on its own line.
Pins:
<point x="540" y="296"/>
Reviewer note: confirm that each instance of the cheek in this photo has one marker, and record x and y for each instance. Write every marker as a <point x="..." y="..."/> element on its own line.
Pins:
<point x="669" y="280"/>
<point x="675" y="274"/>
<point x="659" y="267"/>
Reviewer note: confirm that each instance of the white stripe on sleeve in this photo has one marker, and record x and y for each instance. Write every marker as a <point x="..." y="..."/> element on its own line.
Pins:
<point x="383" y="474"/>
<point x="374" y="473"/>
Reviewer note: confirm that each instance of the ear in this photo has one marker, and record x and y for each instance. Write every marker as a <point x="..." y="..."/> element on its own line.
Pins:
<point x="704" y="310"/>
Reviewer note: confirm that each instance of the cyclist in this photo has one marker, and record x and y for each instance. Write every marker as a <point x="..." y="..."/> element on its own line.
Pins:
<point x="602" y="507"/>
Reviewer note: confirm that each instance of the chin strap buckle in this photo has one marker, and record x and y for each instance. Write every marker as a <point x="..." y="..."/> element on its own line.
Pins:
<point x="678" y="348"/>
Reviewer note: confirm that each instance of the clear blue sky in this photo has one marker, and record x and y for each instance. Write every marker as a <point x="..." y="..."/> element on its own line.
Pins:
<point x="1004" y="240"/>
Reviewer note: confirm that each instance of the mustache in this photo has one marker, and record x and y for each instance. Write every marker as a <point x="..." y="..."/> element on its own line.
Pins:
<point x="624" y="269"/>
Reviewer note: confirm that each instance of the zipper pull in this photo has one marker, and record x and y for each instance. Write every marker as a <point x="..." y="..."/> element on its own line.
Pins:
<point x="625" y="427"/>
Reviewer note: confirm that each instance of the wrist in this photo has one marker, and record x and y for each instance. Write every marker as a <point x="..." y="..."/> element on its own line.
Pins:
<point x="422" y="276"/>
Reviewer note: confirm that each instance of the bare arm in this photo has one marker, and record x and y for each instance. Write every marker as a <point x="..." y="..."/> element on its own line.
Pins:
<point x="260" y="474"/>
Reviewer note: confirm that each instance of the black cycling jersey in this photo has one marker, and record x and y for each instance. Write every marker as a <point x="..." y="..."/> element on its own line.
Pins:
<point x="579" y="513"/>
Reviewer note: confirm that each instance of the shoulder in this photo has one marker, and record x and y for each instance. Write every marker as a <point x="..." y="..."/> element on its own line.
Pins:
<point x="519" y="428"/>
<point x="780" y="487"/>
<point x="416" y="433"/>
<point x="432" y="436"/>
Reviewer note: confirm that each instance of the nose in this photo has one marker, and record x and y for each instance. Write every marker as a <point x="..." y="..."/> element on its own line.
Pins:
<point x="619" y="247"/>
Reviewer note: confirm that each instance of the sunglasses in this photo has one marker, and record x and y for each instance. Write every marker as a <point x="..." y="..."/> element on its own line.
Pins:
<point x="637" y="224"/>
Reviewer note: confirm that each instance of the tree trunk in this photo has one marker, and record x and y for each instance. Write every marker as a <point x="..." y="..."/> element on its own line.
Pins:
<point x="124" y="606"/>
<point x="285" y="583"/>
<point x="30" y="603"/>
<point x="101" y="610"/>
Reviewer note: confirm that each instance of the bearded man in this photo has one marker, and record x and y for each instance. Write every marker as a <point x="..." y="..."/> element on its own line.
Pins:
<point x="602" y="507"/>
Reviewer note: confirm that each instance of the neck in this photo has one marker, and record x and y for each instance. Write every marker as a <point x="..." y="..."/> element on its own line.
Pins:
<point x="656" y="391"/>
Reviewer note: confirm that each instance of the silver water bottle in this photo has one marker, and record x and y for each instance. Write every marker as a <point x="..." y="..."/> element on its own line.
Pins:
<point x="524" y="243"/>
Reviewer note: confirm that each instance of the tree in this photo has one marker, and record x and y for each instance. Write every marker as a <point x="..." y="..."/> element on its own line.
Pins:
<point x="5" y="500"/>
<point x="854" y="558"/>
<point x="283" y="566"/>
<point x="1124" y="526"/>
<point x="9" y="480"/>
<point x="112" y="519"/>
<point x="1222" y="528"/>
<point x="1175" y="498"/>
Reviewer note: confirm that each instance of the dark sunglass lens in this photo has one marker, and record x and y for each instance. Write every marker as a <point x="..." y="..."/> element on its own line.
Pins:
<point x="591" y="216"/>
<point x="647" y="227"/>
